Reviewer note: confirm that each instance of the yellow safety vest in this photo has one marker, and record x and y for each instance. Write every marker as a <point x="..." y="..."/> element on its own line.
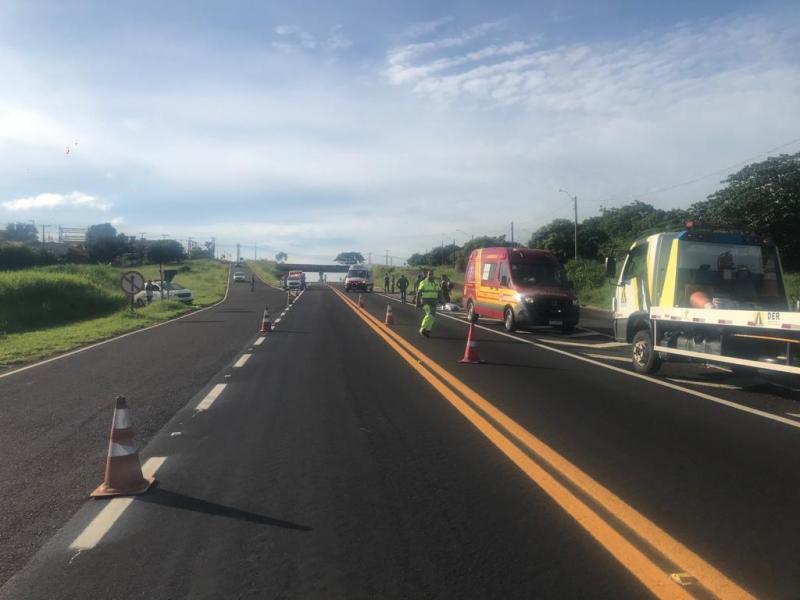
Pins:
<point x="429" y="290"/>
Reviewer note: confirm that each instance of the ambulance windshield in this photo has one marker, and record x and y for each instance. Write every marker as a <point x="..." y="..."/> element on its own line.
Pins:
<point x="538" y="273"/>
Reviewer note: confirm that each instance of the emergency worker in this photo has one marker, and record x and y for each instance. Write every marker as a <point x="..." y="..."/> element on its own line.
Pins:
<point x="386" y="284"/>
<point x="148" y="291"/>
<point x="402" y="285"/>
<point x="428" y="291"/>
<point x="393" y="283"/>
<point x="420" y="279"/>
<point x="447" y="285"/>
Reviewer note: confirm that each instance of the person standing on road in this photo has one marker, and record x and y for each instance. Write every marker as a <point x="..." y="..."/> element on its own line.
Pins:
<point x="386" y="284"/>
<point x="402" y="285"/>
<point x="393" y="282"/>
<point x="429" y="291"/>
<point x="252" y="282"/>
<point x="148" y="291"/>
<point x="420" y="279"/>
<point x="447" y="285"/>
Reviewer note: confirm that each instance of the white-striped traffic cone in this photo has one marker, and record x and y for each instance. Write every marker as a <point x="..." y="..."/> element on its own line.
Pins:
<point x="389" y="320"/>
<point x="471" y="351"/>
<point x="360" y="301"/>
<point x="123" y="470"/>
<point x="266" y="324"/>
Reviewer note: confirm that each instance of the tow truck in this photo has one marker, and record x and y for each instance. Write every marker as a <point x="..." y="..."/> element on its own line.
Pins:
<point x="705" y="295"/>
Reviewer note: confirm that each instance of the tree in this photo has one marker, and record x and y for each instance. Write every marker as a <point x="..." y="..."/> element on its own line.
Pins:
<point x="21" y="232"/>
<point x="281" y="257"/>
<point x="558" y="236"/>
<point x="349" y="258"/>
<point x="103" y="244"/>
<point x="762" y="198"/>
<point x="165" y="251"/>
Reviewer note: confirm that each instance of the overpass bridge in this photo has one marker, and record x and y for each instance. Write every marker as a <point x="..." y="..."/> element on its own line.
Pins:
<point x="286" y="267"/>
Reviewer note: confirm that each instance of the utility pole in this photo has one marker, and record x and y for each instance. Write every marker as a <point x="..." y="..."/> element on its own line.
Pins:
<point x="512" y="234"/>
<point x="164" y="236"/>
<point x="387" y="257"/>
<point x="238" y="252"/>
<point x="575" y="202"/>
<point x="369" y="258"/>
<point x="255" y="251"/>
<point x="141" y="235"/>
<point x="213" y="247"/>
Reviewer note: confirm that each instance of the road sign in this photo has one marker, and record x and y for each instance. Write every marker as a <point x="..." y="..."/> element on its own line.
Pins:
<point x="131" y="282"/>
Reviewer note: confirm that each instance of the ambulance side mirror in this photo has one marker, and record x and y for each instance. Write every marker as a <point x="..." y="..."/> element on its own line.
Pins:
<point x="504" y="280"/>
<point x="611" y="267"/>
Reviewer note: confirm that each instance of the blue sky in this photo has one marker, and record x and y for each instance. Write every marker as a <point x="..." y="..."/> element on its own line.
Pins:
<point x="315" y="127"/>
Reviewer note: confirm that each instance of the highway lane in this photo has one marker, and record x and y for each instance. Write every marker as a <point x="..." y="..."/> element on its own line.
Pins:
<point x="719" y="480"/>
<point x="54" y="418"/>
<point x="329" y="467"/>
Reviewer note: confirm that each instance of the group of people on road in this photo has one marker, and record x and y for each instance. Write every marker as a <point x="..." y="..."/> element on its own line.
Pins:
<point x="427" y="294"/>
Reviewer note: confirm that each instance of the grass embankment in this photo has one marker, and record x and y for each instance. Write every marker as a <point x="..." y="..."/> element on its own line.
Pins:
<point x="24" y="343"/>
<point x="265" y="270"/>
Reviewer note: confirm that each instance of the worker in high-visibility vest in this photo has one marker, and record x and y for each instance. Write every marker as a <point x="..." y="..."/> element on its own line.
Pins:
<point x="428" y="291"/>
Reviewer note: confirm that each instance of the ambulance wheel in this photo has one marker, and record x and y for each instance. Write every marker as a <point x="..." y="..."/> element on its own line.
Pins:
<point x="643" y="358"/>
<point x="509" y="322"/>
<point x="472" y="316"/>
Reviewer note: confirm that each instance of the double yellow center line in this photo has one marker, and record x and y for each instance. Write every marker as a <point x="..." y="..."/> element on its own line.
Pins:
<point x="660" y="562"/>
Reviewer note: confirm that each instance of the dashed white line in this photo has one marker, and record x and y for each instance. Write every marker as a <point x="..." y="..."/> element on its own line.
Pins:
<point x="212" y="395"/>
<point x="583" y="345"/>
<point x="242" y="360"/>
<point x="105" y="519"/>
<point x="259" y="341"/>
<point x="278" y="320"/>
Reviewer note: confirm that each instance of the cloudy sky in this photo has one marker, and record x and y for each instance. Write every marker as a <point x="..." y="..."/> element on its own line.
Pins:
<point x="316" y="127"/>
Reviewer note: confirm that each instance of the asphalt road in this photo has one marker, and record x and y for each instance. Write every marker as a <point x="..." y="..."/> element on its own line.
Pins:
<point x="55" y="418"/>
<point x="342" y="461"/>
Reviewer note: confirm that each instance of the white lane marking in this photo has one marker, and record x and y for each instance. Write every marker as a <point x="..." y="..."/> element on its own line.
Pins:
<point x="723" y="386"/>
<point x="691" y="392"/>
<point x="583" y="345"/>
<point x="212" y="395"/>
<point x="278" y="320"/>
<point x="794" y="414"/>
<point x="242" y="359"/>
<point x="259" y="341"/>
<point x="105" y="519"/>
<point x="608" y="357"/>
<point x="726" y="369"/>
<point x="119" y="337"/>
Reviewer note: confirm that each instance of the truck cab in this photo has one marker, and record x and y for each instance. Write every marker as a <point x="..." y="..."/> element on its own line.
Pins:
<point x="688" y="292"/>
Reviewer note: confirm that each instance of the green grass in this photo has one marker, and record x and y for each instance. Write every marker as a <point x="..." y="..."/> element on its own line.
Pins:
<point x="264" y="269"/>
<point x="206" y="278"/>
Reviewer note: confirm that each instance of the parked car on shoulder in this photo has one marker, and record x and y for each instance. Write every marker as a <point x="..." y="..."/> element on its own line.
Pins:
<point x="171" y="291"/>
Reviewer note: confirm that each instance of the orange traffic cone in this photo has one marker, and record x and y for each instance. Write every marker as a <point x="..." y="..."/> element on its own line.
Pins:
<point x="360" y="301"/>
<point x="471" y="351"/>
<point x="389" y="320"/>
<point x="266" y="325"/>
<point x="123" y="469"/>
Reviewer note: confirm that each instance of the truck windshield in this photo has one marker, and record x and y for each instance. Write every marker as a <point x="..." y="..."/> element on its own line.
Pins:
<point x="729" y="276"/>
<point x="361" y="274"/>
<point x="542" y="273"/>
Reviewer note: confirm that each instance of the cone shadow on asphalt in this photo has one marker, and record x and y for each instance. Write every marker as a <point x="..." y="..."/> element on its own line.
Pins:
<point x="175" y="500"/>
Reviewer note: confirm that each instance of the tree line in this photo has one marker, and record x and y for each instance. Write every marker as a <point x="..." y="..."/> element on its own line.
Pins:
<point x="762" y="198"/>
<point x="20" y="248"/>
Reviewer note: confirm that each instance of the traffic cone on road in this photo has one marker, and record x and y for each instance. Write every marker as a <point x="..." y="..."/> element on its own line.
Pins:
<point x="389" y="320"/>
<point x="266" y="324"/>
<point x="471" y="351"/>
<point x="360" y="301"/>
<point x="123" y="470"/>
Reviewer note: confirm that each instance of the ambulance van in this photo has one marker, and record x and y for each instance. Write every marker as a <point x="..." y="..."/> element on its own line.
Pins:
<point x="521" y="286"/>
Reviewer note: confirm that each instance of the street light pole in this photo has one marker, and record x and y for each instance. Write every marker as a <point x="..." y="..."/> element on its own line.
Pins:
<point x="575" y="203"/>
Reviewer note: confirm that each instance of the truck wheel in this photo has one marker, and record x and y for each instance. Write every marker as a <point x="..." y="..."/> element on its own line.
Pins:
<point x="644" y="359"/>
<point x="509" y="322"/>
<point x="472" y="316"/>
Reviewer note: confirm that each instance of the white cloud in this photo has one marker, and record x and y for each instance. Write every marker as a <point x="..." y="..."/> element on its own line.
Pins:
<point x="287" y="29"/>
<point x="425" y="27"/>
<point x="407" y="53"/>
<point x="337" y="40"/>
<point x="50" y="200"/>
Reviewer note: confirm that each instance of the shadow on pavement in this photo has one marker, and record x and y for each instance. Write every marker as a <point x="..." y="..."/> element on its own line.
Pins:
<point x="521" y="366"/>
<point x="176" y="500"/>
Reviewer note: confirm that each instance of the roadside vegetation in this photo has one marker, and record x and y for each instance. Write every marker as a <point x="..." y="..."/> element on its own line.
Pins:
<point x="266" y="270"/>
<point x="53" y="309"/>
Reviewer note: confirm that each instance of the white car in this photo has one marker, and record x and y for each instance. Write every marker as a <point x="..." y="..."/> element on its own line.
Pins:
<point x="172" y="291"/>
<point x="239" y="276"/>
